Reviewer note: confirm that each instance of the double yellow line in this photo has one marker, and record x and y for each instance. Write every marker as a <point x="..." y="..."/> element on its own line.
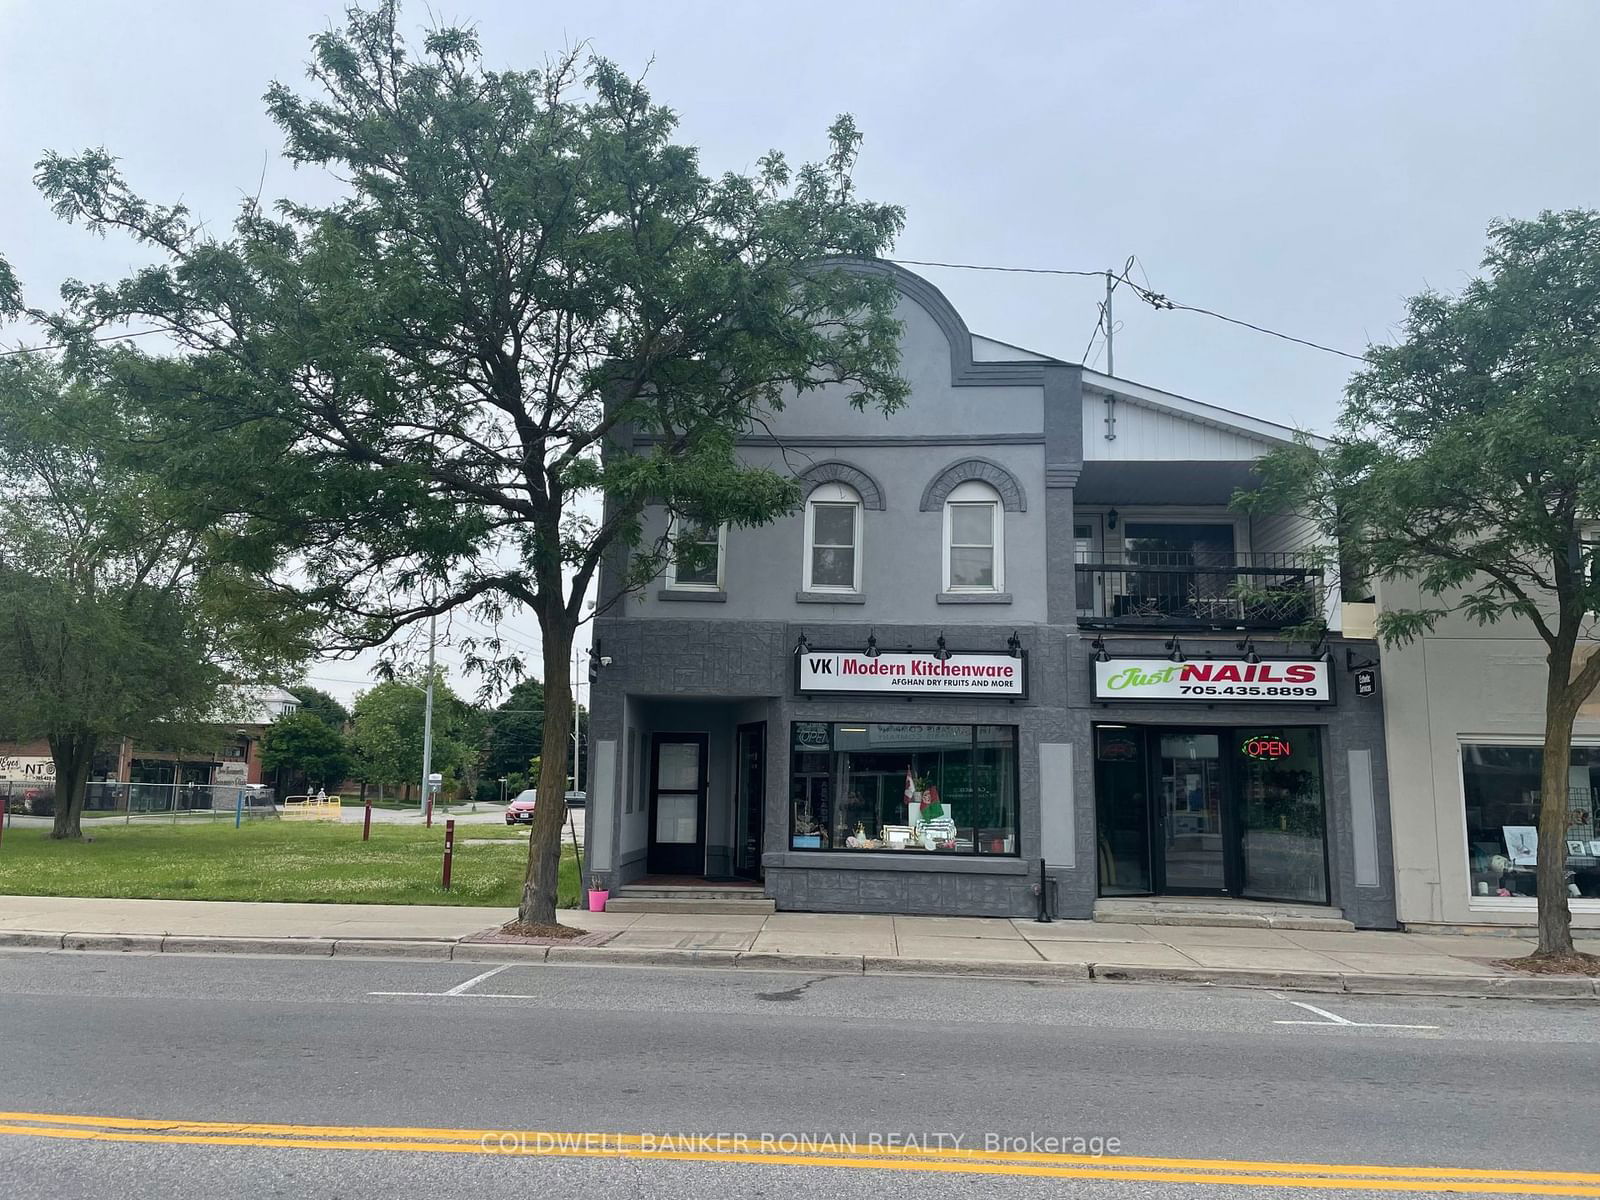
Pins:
<point x="800" y="1152"/>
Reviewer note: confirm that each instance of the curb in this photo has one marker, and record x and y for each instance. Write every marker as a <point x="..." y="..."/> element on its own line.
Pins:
<point x="1462" y="986"/>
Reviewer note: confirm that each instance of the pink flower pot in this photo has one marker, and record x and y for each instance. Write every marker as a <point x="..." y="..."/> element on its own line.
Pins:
<point x="597" y="900"/>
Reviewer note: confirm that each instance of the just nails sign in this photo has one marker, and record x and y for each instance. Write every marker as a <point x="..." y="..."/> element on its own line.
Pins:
<point x="1214" y="681"/>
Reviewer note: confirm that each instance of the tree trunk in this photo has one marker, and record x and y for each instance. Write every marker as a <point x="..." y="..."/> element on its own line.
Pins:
<point x="538" y="905"/>
<point x="73" y="754"/>
<point x="1561" y="708"/>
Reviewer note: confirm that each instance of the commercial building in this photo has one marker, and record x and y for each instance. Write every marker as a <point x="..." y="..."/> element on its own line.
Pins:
<point x="230" y="758"/>
<point x="1016" y="637"/>
<point x="1465" y="709"/>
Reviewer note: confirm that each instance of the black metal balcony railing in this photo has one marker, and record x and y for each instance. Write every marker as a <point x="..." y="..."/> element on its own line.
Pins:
<point x="1198" y="590"/>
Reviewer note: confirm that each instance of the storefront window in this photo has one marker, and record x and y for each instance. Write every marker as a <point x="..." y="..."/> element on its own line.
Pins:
<point x="1502" y="802"/>
<point x="948" y="789"/>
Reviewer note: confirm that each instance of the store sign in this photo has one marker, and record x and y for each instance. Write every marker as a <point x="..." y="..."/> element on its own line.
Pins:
<point x="230" y="774"/>
<point x="1214" y="681"/>
<point x="1366" y="682"/>
<point x="911" y="673"/>
<point x="22" y="768"/>
<point x="1266" y="746"/>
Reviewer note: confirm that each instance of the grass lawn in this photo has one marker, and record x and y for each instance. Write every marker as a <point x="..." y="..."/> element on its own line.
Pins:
<point x="319" y="863"/>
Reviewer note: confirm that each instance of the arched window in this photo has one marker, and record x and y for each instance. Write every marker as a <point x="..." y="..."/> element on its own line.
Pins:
<point x="974" y="544"/>
<point x="833" y="539"/>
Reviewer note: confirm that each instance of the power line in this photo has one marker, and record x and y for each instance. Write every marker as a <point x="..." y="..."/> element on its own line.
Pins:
<point x="1150" y="296"/>
<point x="1147" y="294"/>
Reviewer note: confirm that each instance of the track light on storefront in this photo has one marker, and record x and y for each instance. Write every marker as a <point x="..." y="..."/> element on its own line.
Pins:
<point x="801" y="646"/>
<point x="1014" y="645"/>
<point x="1100" y="652"/>
<point x="942" y="651"/>
<point x="1320" y="649"/>
<point x="872" y="644"/>
<point x="1249" y="648"/>
<point x="1176" y="650"/>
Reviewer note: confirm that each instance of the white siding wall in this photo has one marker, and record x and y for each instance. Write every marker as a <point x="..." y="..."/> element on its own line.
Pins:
<point x="1148" y="434"/>
<point x="1290" y="533"/>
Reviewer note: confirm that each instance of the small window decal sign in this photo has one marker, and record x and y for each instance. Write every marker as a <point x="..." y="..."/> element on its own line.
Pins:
<point x="1262" y="746"/>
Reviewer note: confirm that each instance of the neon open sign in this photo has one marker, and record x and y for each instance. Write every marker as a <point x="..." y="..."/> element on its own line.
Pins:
<point x="1266" y="745"/>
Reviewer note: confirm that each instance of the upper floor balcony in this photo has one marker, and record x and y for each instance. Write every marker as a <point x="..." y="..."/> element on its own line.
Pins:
<point x="1196" y="587"/>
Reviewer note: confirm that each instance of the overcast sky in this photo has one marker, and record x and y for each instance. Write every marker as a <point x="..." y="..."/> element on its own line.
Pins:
<point x="1302" y="166"/>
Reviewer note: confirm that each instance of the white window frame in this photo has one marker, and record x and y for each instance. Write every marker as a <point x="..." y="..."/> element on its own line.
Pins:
<point x="973" y="493"/>
<point x="834" y="494"/>
<point x="672" y="559"/>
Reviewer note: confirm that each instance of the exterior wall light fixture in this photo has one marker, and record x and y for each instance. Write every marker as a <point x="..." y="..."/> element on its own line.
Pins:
<point x="942" y="651"/>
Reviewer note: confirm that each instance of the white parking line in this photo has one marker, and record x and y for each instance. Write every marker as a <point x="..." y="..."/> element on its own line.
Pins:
<point x="461" y="989"/>
<point x="1335" y="1020"/>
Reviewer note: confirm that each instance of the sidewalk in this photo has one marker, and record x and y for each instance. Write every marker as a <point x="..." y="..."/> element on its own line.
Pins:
<point x="1380" y="963"/>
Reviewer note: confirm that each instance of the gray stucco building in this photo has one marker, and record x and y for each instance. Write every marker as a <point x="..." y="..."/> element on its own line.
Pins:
<point x="1016" y="632"/>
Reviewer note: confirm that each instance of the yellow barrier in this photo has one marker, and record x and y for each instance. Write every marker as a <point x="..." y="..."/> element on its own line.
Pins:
<point x="312" y="808"/>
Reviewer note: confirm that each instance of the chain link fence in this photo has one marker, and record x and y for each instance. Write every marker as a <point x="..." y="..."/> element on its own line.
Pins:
<point x="145" y="801"/>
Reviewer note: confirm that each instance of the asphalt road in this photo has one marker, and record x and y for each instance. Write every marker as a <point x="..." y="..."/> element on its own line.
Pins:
<point x="199" y="1077"/>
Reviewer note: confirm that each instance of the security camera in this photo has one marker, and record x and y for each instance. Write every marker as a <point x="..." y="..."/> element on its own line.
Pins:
<point x="605" y="660"/>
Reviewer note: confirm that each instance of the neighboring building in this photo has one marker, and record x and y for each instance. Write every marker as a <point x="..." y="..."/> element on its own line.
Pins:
<point x="1465" y="709"/>
<point x="1017" y="598"/>
<point x="243" y="713"/>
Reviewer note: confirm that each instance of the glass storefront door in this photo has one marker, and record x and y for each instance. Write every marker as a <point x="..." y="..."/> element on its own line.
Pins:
<point x="1211" y="811"/>
<point x="750" y="797"/>
<point x="1190" y="789"/>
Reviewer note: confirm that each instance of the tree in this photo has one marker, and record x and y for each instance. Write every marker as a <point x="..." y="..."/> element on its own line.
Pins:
<point x="321" y="705"/>
<point x="1467" y="461"/>
<point x="111" y="622"/>
<point x="526" y="281"/>
<point x="515" y="731"/>
<point x="302" y="742"/>
<point x="387" y="728"/>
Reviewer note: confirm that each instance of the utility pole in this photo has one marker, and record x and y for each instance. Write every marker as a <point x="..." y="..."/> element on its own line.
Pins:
<point x="1111" y="326"/>
<point x="427" y="716"/>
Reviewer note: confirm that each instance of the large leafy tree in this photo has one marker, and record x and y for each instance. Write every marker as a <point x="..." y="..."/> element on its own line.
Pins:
<point x="321" y="705"/>
<point x="387" y="728"/>
<point x="111" y="622"/>
<point x="526" y="271"/>
<point x="1467" y="465"/>
<point x="515" y="731"/>
<point x="304" y="743"/>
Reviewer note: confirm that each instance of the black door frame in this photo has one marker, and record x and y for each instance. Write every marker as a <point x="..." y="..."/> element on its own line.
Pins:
<point x="677" y="858"/>
<point x="1232" y="810"/>
<point x="757" y="729"/>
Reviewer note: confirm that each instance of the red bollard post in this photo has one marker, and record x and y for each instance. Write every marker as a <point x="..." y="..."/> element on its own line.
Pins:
<point x="366" y="821"/>
<point x="428" y="811"/>
<point x="449" y="850"/>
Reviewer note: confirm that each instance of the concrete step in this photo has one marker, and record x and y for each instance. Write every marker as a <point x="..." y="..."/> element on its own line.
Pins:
<point x="1175" y="910"/>
<point x="625" y="901"/>
<point x="689" y="891"/>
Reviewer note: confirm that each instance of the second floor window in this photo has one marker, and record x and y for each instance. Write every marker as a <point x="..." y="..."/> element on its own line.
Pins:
<point x="697" y="553"/>
<point x="973" y="545"/>
<point x="833" y="539"/>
